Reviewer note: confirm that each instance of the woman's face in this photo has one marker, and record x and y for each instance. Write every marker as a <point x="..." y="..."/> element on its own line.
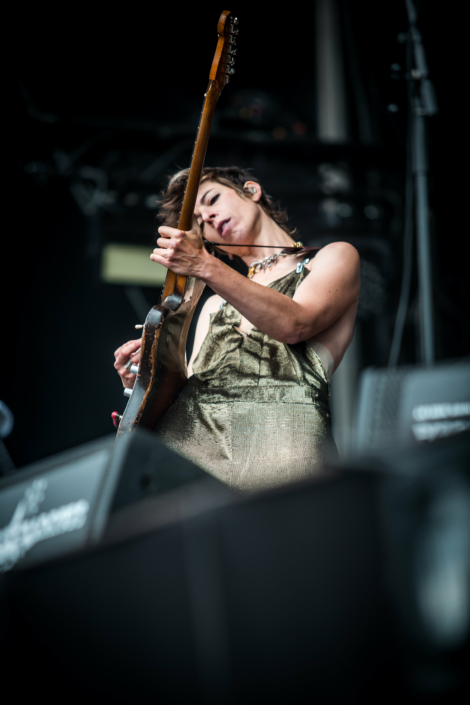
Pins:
<point x="224" y="216"/>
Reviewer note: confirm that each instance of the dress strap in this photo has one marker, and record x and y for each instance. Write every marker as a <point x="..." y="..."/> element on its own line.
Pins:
<point x="300" y="267"/>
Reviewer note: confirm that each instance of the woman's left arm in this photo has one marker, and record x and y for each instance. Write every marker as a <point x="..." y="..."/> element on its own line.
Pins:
<point x="330" y="289"/>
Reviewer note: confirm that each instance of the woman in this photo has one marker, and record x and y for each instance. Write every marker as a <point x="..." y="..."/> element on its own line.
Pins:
<point x="255" y="411"/>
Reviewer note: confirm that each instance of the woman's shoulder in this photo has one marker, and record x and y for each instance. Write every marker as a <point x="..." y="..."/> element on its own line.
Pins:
<point x="336" y="253"/>
<point x="339" y="249"/>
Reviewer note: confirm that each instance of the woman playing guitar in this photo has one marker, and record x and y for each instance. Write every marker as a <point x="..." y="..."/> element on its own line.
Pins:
<point x="255" y="410"/>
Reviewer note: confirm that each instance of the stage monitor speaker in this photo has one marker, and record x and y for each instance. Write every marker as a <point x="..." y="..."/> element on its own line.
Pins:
<point x="349" y="588"/>
<point x="411" y="405"/>
<point x="62" y="504"/>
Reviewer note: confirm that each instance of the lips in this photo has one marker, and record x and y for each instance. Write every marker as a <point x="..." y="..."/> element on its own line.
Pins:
<point x="222" y="226"/>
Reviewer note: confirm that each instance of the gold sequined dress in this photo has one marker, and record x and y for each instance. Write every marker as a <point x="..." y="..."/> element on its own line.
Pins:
<point x="255" y="412"/>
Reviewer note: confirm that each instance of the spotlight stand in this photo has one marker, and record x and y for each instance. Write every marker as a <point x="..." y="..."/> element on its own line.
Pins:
<point x="424" y="105"/>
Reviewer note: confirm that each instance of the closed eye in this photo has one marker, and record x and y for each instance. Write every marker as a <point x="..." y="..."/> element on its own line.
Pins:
<point x="211" y="202"/>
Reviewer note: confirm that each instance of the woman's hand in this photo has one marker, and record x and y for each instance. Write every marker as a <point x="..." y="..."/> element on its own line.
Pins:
<point x="182" y="252"/>
<point x="128" y="351"/>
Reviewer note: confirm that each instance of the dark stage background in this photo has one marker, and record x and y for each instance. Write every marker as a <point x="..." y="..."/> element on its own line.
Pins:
<point x="100" y="108"/>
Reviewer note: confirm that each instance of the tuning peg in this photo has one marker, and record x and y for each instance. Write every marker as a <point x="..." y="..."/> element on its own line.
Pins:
<point x="134" y="369"/>
<point x="231" y="61"/>
<point x="138" y="326"/>
<point x="127" y="392"/>
<point x="232" y="51"/>
<point x="231" y="72"/>
<point x="235" y="31"/>
<point x="235" y="20"/>
<point x="232" y="41"/>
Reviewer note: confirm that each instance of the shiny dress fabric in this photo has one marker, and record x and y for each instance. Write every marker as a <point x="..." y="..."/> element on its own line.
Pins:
<point x="255" y="412"/>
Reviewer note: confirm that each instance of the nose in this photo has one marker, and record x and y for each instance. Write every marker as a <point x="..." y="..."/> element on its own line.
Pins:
<point x="208" y="216"/>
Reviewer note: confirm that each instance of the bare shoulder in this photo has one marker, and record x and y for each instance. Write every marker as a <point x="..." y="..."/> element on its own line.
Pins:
<point x="342" y="253"/>
<point x="338" y="259"/>
<point x="335" y="268"/>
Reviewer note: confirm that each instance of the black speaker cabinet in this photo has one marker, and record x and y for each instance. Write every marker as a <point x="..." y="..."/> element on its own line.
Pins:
<point x="412" y="405"/>
<point x="349" y="588"/>
<point x="62" y="504"/>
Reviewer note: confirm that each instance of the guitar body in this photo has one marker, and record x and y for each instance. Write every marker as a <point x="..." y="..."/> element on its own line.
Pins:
<point x="162" y="370"/>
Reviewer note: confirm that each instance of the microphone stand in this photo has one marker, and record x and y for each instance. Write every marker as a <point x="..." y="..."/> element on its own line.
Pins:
<point x="424" y="104"/>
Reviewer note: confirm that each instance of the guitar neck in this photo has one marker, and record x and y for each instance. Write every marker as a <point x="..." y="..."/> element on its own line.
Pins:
<point x="175" y="284"/>
<point x="221" y="69"/>
<point x="197" y="161"/>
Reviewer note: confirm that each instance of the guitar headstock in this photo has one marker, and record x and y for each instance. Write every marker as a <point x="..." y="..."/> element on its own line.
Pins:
<point x="224" y="57"/>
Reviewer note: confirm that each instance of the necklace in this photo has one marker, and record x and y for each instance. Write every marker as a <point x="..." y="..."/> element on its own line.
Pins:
<point x="268" y="261"/>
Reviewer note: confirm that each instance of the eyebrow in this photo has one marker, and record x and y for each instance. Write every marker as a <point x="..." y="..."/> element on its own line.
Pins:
<point x="208" y="191"/>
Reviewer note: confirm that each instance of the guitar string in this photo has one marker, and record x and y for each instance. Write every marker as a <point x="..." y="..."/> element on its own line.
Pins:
<point x="231" y="244"/>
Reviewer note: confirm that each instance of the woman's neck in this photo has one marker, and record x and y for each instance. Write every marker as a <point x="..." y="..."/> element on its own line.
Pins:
<point x="270" y="233"/>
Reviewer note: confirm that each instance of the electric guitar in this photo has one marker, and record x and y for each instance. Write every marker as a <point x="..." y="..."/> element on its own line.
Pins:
<point x="162" y="372"/>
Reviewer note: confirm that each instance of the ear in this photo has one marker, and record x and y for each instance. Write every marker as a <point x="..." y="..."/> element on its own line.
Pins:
<point x="254" y="189"/>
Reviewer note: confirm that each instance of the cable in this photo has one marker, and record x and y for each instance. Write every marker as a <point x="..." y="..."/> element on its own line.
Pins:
<point x="408" y="236"/>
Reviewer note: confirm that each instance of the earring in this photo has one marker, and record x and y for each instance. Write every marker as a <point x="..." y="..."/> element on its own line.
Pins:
<point x="250" y="189"/>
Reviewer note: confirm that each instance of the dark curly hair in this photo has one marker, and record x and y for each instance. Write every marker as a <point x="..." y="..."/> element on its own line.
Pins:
<point x="232" y="176"/>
